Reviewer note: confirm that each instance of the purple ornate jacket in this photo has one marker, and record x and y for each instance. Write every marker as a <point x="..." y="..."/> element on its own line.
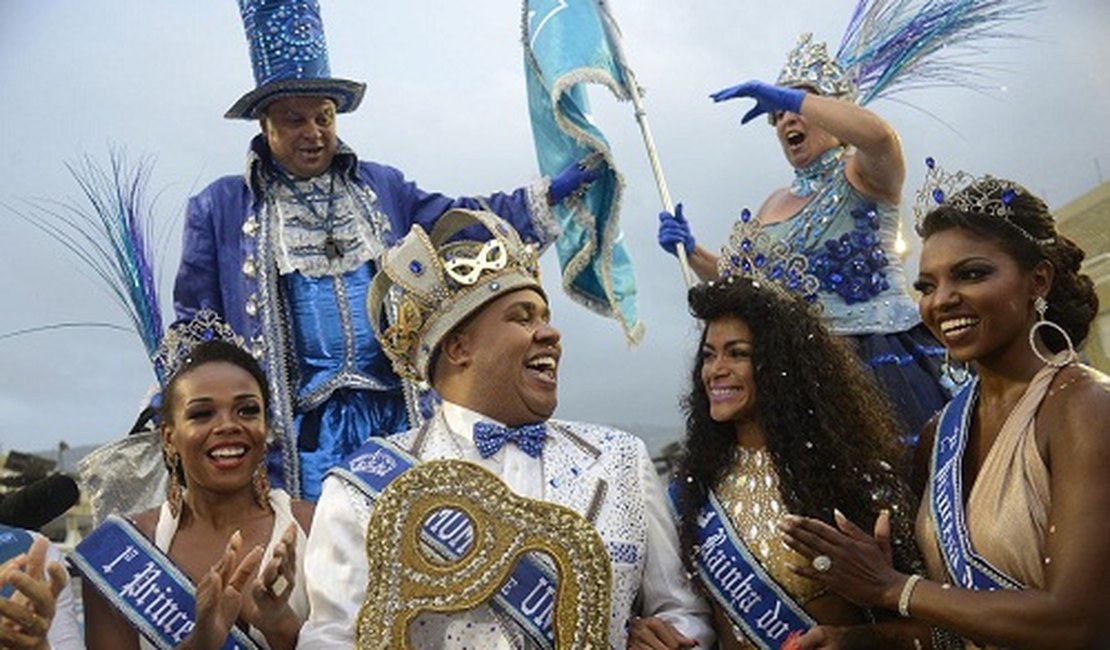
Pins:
<point x="228" y="265"/>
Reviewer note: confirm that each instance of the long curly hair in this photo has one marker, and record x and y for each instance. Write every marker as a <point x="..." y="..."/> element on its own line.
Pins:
<point x="830" y="432"/>
<point x="1072" y="301"/>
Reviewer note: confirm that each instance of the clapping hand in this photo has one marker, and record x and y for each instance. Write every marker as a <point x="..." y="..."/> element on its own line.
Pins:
<point x="851" y="562"/>
<point x="220" y="595"/>
<point x="267" y="607"/>
<point x="25" y="618"/>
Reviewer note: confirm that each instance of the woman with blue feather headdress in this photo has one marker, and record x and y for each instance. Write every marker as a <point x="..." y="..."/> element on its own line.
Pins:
<point x="840" y="216"/>
<point x="188" y="488"/>
<point x="842" y="209"/>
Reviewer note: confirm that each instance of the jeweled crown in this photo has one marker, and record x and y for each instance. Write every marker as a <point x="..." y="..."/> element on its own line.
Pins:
<point x="179" y="340"/>
<point x="962" y="191"/>
<point x="428" y="284"/>
<point x="752" y="253"/>
<point x="809" y="65"/>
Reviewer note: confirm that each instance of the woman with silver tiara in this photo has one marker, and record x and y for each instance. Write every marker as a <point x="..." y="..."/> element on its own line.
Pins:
<point x="220" y="562"/>
<point x="1011" y="524"/>
<point x="841" y="211"/>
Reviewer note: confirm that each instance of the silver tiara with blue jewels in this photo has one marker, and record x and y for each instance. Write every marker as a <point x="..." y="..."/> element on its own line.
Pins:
<point x="890" y="46"/>
<point x="752" y="253"/>
<point x="181" y="338"/>
<point x="962" y="191"/>
<point x="809" y="65"/>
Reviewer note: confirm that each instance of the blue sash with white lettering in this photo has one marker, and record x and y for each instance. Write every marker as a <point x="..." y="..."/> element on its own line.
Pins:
<point x="13" y="541"/>
<point x="748" y="595"/>
<point x="144" y="585"/>
<point x="528" y="596"/>
<point x="946" y="478"/>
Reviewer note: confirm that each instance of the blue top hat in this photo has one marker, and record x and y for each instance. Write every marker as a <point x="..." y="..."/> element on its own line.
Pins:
<point x="290" y="57"/>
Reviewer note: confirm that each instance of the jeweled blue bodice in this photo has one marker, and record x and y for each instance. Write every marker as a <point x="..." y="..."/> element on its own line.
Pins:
<point x="849" y="241"/>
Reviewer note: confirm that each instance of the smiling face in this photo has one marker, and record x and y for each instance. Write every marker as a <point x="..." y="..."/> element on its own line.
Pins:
<point x="218" y="426"/>
<point x="727" y="370"/>
<point x="301" y="134"/>
<point x="976" y="299"/>
<point x="511" y="353"/>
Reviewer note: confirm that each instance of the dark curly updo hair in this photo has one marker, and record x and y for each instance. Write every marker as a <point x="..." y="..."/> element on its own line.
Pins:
<point x="1027" y="233"/>
<point x="830" y="432"/>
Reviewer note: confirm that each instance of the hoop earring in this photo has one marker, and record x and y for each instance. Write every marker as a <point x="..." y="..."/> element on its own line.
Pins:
<point x="1041" y="305"/>
<point x="958" y="378"/>
<point x="261" y="486"/>
<point x="174" y="490"/>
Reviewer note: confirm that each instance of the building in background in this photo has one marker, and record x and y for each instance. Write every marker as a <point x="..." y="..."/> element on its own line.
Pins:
<point x="1086" y="220"/>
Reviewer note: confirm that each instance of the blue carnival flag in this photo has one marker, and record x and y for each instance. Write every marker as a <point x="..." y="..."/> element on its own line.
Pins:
<point x="566" y="46"/>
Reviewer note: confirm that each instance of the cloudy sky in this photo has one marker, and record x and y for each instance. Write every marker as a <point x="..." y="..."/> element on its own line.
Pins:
<point x="446" y="104"/>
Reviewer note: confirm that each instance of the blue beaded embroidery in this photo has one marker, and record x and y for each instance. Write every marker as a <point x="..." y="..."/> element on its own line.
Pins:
<point x="854" y="265"/>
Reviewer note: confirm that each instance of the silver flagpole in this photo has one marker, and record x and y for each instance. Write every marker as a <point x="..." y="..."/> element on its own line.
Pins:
<point x="641" y="118"/>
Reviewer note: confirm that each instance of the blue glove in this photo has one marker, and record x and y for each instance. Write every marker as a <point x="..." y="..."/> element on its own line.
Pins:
<point x="576" y="175"/>
<point x="768" y="98"/>
<point x="674" y="230"/>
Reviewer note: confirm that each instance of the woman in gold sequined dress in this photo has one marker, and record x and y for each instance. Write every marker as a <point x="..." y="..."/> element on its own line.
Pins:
<point x="781" y="418"/>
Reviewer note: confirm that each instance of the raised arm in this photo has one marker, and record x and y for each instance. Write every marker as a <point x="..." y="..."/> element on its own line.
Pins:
<point x="528" y="209"/>
<point x="877" y="169"/>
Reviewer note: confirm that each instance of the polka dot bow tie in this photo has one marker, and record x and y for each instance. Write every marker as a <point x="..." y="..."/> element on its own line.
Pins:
<point x="490" y="437"/>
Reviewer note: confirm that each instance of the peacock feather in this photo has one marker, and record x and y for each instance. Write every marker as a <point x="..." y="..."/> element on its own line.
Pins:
<point x="111" y="234"/>
<point x="894" y="45"/>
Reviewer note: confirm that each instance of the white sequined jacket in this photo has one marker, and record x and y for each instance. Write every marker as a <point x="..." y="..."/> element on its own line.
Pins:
<point x="603" y="474"/>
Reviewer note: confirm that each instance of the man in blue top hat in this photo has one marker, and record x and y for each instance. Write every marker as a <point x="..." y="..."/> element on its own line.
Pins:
<point x="285" y="252"/>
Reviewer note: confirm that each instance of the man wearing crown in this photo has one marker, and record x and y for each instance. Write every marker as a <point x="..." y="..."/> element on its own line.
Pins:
<point x="476" y="325"/>
<point x="285" y="252"/>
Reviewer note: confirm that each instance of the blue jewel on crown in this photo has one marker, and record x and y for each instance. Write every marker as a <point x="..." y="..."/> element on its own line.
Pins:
<point x="752" y="253"/>
<point x="176" y="346"/>
<point x="962" y="191"/>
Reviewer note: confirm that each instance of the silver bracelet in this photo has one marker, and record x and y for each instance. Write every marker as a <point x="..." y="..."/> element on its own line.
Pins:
<point x="907" y="592"/>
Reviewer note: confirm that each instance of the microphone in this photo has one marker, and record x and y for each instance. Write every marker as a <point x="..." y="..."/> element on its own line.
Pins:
<point x="35" y="505"/>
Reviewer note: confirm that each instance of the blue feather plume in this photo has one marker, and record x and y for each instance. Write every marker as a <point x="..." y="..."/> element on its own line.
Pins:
<point x="894" y="45"/>
<point x="112" y="237"/>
